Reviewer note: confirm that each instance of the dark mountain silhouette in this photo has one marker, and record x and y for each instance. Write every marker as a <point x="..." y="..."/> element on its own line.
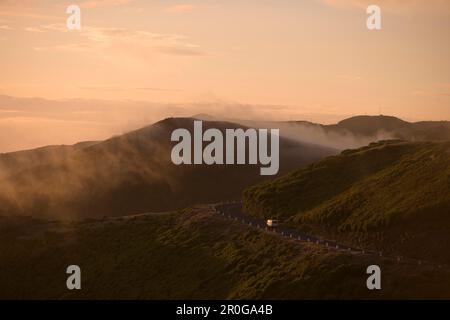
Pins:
<point x="392" y="126"/>
<point x="133" y="172"/>
<point x="359" y="131"/>
<point x="370" y="125"/>
<point x="127" y="174"/>
<point x="388" y="196"/>
<point x="400" y="129"/>
<point x="364" y="128"/>
<point x="14" y="162"/>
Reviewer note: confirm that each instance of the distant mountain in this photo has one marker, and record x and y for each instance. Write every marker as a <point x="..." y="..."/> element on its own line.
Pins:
<point x="359" y="131"/>
<point x="133" y="172"/>
<point x="14" y="162"/>
<point x="399" y="129"/>
<point x="128" y="174"/>
<point x="388" y="196"/>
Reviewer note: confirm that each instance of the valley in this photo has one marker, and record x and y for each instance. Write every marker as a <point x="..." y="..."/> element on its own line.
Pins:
<point x="191" y="254"/>
<point x="141" y="227"/>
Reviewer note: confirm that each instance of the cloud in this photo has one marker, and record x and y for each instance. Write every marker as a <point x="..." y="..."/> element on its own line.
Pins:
<point x="91" y="4"/>
<point x="34" y="122"/>
<point x="157" y="89"/>
<point x="100" y="88"/>
<point x="436" y="90"/>
<point x="33" y="29"/>
<point x="430" y="93"/>
<point x="349" y="77"/>
<point x="181" y="51"/>
<point x="443" y="85"/>
<point x="27" y="9"/>
<point x="394" y="5"/>
<point x="138" y="43"/>
<point x="97" y="88"/>
<point x="180" y="8"/>
<point x="5" y="27"/>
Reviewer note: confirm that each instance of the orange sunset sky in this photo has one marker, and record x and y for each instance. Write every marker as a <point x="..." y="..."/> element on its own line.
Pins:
<point x="136" y="61"/>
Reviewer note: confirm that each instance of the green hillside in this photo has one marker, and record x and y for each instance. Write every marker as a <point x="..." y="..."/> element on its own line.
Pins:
<point x="131" y="173"/>
<point x="394" y="127"/>
<point x="390" y="196"/>
<point x="190" y="254"/>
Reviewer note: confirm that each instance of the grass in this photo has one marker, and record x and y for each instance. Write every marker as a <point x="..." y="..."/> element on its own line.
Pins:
<point x="389" y="196"/>
<point x="189" y="254"/>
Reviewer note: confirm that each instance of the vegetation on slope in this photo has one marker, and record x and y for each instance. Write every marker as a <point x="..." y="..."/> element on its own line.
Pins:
<point x="191" y="254"/>
<point x="131" y="173"/>
<point x="389" y="196"/>
<point x="395" y="127"/>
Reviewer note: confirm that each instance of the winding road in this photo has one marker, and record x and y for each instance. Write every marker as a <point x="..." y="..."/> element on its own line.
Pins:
<point x="233" y="210"/>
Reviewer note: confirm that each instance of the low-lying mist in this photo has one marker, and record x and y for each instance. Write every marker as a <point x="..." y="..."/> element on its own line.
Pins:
<point x="132" y="173"/>
<point x="316" y="134"/>
<point x="127" y="174"/>
<point x="27" y="123"/>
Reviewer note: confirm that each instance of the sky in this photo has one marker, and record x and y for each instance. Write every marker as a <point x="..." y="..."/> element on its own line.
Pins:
<point x="135" y="61"/>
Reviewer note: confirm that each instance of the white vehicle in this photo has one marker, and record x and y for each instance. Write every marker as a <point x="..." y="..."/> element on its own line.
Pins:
<point x="272" y="223"/>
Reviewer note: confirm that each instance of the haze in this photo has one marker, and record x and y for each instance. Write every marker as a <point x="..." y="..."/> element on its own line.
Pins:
<point x="137" y="61"/>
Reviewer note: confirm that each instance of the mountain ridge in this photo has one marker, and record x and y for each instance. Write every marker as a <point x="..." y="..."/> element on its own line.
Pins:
<point x="385" y="196"/>
<point x="134" y="173"/>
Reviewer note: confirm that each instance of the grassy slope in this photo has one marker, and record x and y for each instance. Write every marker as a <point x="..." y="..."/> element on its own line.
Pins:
<point x="189" y="254"/>
<point x="389" y="196"/>
<point x="400" y="129"/>
<point x="128" y="174"/>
